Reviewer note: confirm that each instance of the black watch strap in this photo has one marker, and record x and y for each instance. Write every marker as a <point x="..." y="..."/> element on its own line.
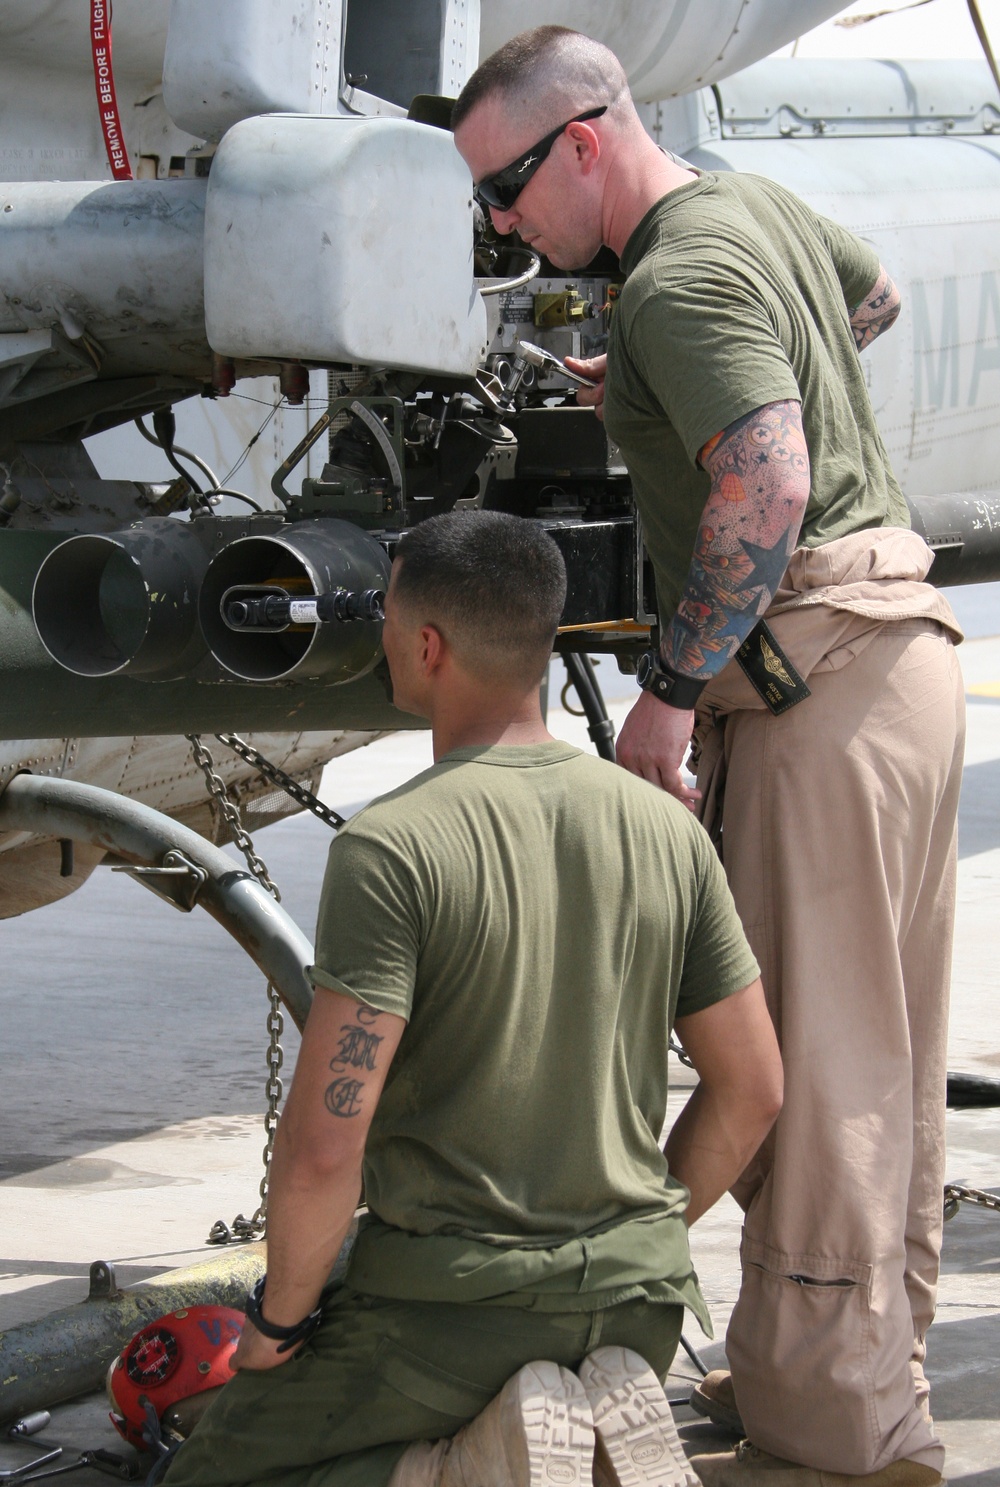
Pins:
<point x="289" y="1337"/>
<point x="677" y="691"/>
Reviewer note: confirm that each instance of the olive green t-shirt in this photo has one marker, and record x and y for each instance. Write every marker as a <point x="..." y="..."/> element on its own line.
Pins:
<point x="539" y="917"/>
<point x="738" y="294"/>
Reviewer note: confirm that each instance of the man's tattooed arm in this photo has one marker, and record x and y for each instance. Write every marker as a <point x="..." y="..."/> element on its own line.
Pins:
<point x="759" y="468"/>
<point x="876" y="312"/>
<point x="356" y="1057"/>
<point x="315" y="1177"/>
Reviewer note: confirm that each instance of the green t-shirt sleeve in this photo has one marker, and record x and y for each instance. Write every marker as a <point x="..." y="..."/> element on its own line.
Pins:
<point x="717" y="958"/>
<point x="857" y="264"/>
<point x="368" y="930"/>
<point x="708" y="349"/>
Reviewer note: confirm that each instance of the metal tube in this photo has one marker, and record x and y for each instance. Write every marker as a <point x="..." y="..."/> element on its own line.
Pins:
<point x="67" y="1353"/>
<point x="506" y="285"/>
<point x="62" y="808"/>
<point x="964" y="533"/>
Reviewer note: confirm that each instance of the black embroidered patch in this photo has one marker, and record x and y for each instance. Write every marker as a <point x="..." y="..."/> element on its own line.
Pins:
<point x="771" y="674"/>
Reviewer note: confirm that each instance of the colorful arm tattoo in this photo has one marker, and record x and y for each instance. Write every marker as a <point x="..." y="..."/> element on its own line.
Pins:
<point x="876" y="312"/>
<point x="759" y="468"/>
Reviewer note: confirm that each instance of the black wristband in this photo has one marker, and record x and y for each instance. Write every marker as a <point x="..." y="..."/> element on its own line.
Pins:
<point x="668" y="686"/>
<point x="289" y="1337"/>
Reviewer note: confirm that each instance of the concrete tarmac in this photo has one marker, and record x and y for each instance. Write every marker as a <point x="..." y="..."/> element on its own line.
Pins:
<point x="133" y="1070"/>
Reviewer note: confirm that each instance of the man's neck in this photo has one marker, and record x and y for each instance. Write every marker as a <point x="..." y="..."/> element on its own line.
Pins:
<point x="457" y="727"/>
<point x="640" y="176"/>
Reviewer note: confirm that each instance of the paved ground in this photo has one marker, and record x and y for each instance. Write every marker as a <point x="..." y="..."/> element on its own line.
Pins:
<point x="133" y="1067"/>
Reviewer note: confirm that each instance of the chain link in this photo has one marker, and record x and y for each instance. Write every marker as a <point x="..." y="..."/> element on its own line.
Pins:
<point x="676" y="1047"/>
<point x="230" y="813"/>
<point x="242" y="1228"/>
<point x="955" y="1196"/>
<point x="297" y="791"/>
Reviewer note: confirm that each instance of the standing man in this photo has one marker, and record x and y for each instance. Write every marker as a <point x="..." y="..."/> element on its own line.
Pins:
<point x="503" y="945"/>
<point x="734" y="392"/>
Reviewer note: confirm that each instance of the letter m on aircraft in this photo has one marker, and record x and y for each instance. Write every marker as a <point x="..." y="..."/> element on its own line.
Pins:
<point x="935" y="356"/>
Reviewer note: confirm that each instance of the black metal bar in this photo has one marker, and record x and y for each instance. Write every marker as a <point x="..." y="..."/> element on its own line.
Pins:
<point x="972" y="1091"/>
<point x="695" y="1357"/>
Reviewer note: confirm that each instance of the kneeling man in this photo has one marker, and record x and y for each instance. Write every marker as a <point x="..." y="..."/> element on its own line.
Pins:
<point x="504" y="944"/>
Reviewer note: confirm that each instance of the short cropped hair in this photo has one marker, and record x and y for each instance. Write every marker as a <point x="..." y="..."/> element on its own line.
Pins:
<point x="494" y="585"/>
<point x="546" y="69"/>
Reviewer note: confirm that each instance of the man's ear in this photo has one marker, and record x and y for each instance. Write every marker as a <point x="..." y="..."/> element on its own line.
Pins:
<point x="434" y="649"/>
<point x="586" y="146"/>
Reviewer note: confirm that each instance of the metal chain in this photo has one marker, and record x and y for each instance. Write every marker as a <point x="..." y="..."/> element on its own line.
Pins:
<point x="231" y="813"/>
<point x="277" y="776"/>
<point x="243" y="1228"/>
<point x="955" y="1195"/>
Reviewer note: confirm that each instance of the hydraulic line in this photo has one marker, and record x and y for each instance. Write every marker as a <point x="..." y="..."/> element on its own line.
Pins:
<point x="162" y="438"/>
<point x="505" y="287"/>
<point x="170" y="449"/>
<point x="580" y="670"/>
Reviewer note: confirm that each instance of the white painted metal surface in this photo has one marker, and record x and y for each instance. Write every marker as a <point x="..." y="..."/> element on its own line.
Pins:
<point x="235" y="58"/>
<point x="116" y="261"/>
<point x="666" y="46"/>
<point x="309" y="245"/>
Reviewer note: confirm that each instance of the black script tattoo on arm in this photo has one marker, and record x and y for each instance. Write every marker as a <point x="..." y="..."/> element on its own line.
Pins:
<point x="876" y="312"/>
<point x="357" y="1051"/>
<point x="759" y="468"/>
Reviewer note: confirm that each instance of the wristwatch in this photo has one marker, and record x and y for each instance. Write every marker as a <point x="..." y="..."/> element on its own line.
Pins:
<point x="289" y="1337"/>
<point x="677" y="691"/>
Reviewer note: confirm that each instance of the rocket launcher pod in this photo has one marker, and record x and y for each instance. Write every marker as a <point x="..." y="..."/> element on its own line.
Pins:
<point x="302" y="603"/>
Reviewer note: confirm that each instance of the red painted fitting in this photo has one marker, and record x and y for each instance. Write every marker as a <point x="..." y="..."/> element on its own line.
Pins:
<point x="294" y="382"/>
<point x="223" y="375"/>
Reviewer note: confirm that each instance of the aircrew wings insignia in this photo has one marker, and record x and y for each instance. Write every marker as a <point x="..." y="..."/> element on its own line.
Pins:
<point x="773" y="664"/>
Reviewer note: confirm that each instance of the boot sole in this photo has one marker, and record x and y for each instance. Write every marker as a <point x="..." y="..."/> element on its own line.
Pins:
<point x="636" y="1434"/>
<point x="558" y="1426"/>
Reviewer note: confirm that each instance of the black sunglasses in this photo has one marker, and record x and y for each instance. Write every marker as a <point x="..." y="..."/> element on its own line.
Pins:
<point x="502" y="189"/>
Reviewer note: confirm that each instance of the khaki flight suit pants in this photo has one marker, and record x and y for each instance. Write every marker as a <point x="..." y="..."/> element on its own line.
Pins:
<point x="839" y="830"/>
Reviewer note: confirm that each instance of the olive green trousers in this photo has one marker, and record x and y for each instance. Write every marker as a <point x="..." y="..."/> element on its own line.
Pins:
<point x="379" y="1374"/>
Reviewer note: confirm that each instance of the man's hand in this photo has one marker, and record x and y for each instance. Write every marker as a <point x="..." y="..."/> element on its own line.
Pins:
<point x="594" y="367"/>
<point x="652" y="743"/>
<point x="255" y="1352"/>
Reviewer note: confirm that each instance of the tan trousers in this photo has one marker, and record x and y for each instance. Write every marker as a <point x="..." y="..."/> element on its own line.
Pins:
<point x="839" y="844"/>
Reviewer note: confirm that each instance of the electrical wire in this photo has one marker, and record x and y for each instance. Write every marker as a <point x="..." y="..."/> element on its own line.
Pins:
<point x="876" y="15"/>
<point x="253" y="441"/>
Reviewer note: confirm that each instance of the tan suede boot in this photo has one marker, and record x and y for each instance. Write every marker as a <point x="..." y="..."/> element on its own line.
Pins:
<point x="714" y="1398"/>
<point x="637" y="1440"/>
<point x="420" y="1465"/>
<point x="748" y="1466"/>
<point x="538" y="1432"/>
